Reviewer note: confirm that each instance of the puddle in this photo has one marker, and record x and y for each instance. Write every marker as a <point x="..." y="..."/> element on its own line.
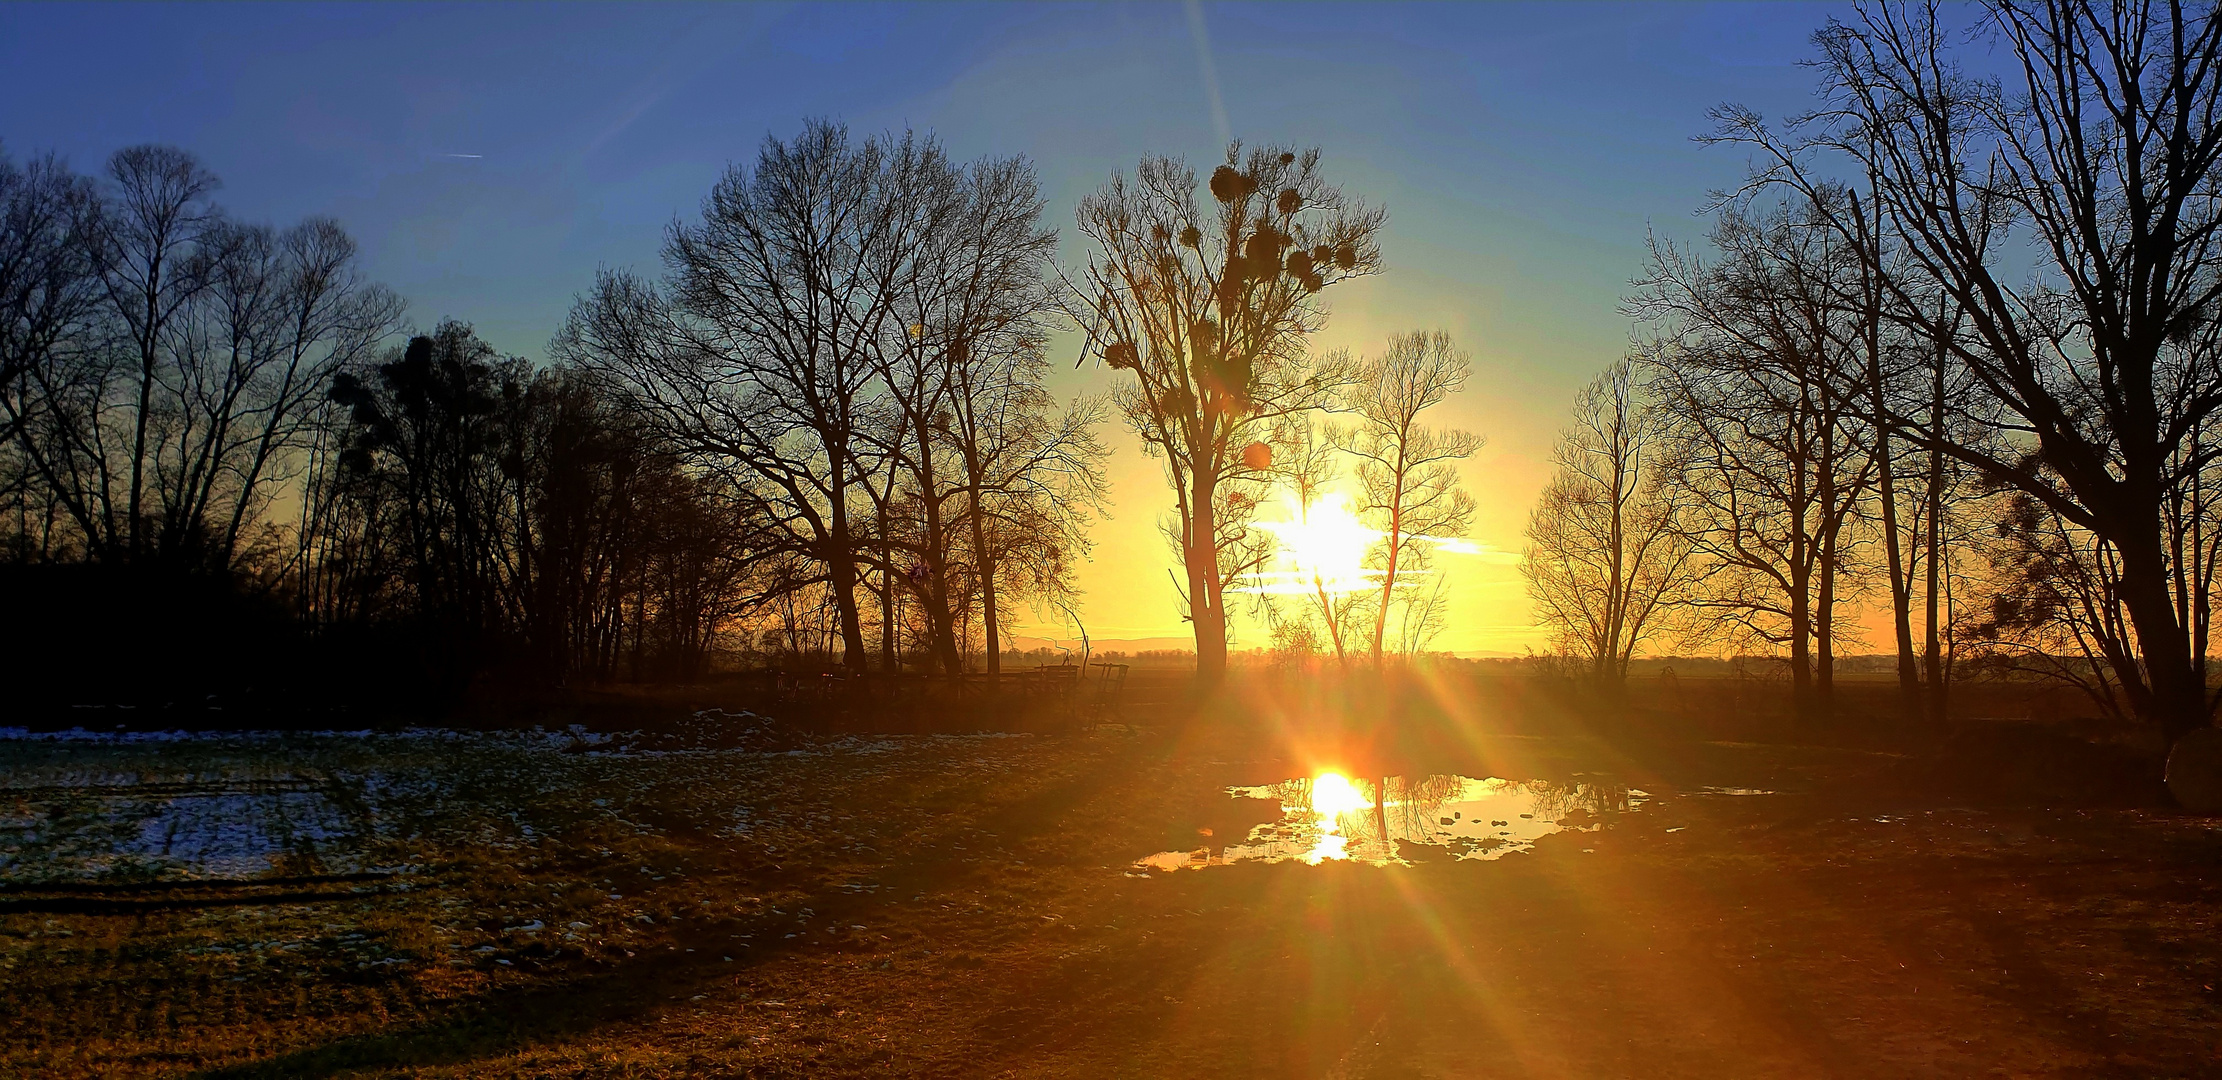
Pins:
<point x="1420" y="819"/>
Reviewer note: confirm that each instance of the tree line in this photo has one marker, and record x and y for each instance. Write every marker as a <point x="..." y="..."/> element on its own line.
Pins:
<point x="1951" y="350"/>
<point x="822" y="434"/>
<point x="185" y="395"/>
<point x="828" y="422"/>
<point x="853" y="338"/>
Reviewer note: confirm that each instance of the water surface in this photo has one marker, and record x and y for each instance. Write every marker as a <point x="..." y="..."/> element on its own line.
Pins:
<point x="1397" y="820"/>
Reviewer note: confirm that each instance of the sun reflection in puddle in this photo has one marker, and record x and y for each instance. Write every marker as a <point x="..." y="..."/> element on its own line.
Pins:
<point x="1397" y="821"/>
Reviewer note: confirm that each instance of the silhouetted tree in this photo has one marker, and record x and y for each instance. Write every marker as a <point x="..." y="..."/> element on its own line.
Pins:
<point x="967" y="348"/>
<point x="1608" y="559"/>
<point x="2098" y="152"/>
<point x="49" y="299"/>
<point x="1211" y="310"/>
<point x="168" y="365"/>
<point x="852" y="339"/>
<point x="145" y="248"/>
<point x="1032" y="472"/>
<point x="1408" y="472"/>
<point x="766" y="351"/>
<point x="1033" y="478"/>
<point x="528" y="519"/>
<point x="1754" y="373"/>
<point x="425" y="431"/>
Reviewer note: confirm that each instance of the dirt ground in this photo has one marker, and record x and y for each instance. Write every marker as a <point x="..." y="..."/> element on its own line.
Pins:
<point x="969" y="906"/>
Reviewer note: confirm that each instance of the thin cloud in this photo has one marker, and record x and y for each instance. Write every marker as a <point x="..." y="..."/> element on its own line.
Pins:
<point x="1202" y="36"/>
<point x="687" y="55"/>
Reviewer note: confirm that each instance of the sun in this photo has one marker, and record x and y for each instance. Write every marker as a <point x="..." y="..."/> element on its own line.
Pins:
<point x="1332" y="796"/>
<point x="1323" y="548"/>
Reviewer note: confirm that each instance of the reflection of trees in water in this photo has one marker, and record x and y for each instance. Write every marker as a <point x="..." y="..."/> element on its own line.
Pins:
<point x="1555" y="801"/>
<point x="1415" y="804"/>
<point x="1414" y="807"/>
<point x="1413" y="810"/>
<point x="1416" y="810"/>
<point x="1294" y="793"/>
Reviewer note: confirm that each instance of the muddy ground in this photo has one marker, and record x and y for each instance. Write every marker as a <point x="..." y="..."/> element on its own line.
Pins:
<point x="425" y="904"/>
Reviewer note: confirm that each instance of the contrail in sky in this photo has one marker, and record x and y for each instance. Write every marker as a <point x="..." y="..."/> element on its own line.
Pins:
<point x="461" y="155"/>
<point x="1202" y="36"/>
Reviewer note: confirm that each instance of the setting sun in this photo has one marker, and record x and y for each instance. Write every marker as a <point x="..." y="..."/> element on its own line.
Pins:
<point x="1322" y="549"/>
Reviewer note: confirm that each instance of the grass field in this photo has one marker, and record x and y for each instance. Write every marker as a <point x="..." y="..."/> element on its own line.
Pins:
<point x="431" y="903"/>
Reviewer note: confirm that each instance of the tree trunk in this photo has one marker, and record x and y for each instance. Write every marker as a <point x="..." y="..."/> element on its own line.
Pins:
<point x="986" y="562"/>
<point x="1801" y="659"/>
<point x="640" y="626"/>
<point x="1824" y="626"/>
<point x="139" y="439"/>
<point x="1396" y="548"/>
<point x="1824" y="607"/>
<point x="1901" y="585"/>
<point x="1801" y="628"/>
<point x="889" y="662"/>
<point x="1801" y="563"/>
<point x="1935" y="566"/>
<point x="2178" y="696"/>
<point x="939" y="614"/>
<point x="1201" y="553"/>
<point x="1610" y="670"/>
<point x="841" y="567"/>
<point x="887" y="593"/>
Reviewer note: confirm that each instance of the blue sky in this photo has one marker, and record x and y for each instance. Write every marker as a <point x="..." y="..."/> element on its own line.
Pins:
<point x="1522" y="150"/>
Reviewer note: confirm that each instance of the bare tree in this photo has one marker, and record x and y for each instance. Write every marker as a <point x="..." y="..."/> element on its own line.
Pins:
<point x="276" y="317"/>
<point x="1211" y="311"/>
<point x="970" y="432"/>
<point x="2099" y="153"/>
<point x="324" y="317"/>
<point x="936" y="306"/>
<point x="1034" y="478"/>
<point x="1408" y="472"/>
<point x="1308" y="463"/>
<point x="87" y="419"/>
<point x="854" y="338"/>
<point x="1752" y="370"/>
<point x="1608" y="557"/>
<point x="1032" y="472"/>
<point x="763" y="356"/>
<point x="156" y="212"/>
<point x="49" y="300"/>
<point x="164" y="397"/>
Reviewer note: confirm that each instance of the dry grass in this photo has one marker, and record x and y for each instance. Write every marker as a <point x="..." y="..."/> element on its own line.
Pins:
<point x="955" y="907"/>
